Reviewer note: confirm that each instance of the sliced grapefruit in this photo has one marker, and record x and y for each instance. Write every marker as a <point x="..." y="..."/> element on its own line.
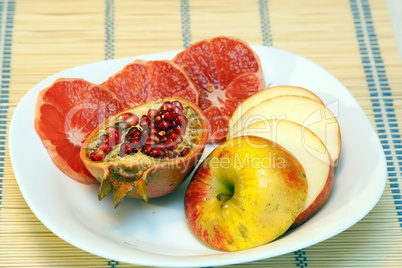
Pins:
<point x="66" y="113"/>
<point x="145" y="81"/>
<point x="226" y="71"/>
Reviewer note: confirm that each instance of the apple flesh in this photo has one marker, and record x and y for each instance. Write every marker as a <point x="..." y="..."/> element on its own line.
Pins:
<point x="270" y="93"/>
<point x="311" y="153"/>
<point x="309" y="113"/>
<point x="246" y="193"/>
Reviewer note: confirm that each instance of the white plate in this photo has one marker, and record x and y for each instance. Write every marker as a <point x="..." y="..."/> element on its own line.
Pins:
<point x="156" y="233"/>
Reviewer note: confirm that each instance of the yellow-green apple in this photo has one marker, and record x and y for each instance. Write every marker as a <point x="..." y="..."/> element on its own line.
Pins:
<point x="270" y="93"/>
<point x="309" y="113"/>
<point x="309" y="150"/>
<point x="246" y="193"/>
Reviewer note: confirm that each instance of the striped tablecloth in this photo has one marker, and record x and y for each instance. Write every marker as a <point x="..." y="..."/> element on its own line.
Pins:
<point x="352" y="39"/>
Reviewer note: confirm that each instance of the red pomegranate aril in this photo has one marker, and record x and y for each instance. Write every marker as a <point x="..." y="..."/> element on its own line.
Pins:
<point x="181" y="120"/>
<point x="153" y="137"/>
<point x="164" y="138"/>
<point x="114" y="138"/>
<point x="152" y="112"/>
<point x="168" y="155"/>
<point x="167" y="106"/>
<point x="144" y="121"/>
<point x="180" y="130"/>
<point x="176" y="137"/>
<point x="97" y="155"/>
<point x="136" y="143"/>
<point x="163" y="125"/>
<point x="178" y="104"/>
<point x="157" y="119"/>
<point x="150" y="142"/>
<point x="132" y="121"/>
<point x="153" y="131"/>
<point x="156" y="152"/>
<point x="146" y="149"/>
<point x="105" y="148"/>
<point x="124" y="117"/>
<point x="175" y="155"/>
<point x="177" y="111"/>
<point x="185" y="151"/>
<point x="170" y="145"/>
<point x="167" y="116"/>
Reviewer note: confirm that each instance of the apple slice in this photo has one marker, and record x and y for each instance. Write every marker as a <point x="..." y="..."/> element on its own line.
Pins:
<point x="270" y="93"/>
<point x="309" y="113"/>
<point x="311" y="153"/>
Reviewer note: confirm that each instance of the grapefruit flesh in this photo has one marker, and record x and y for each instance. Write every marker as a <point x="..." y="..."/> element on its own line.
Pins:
<point x="66" y="113"/>
<point x="225" y="71"/>
<point x="145" y="81"/>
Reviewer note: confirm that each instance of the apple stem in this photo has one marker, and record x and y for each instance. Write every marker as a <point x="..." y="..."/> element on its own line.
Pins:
<point x="220" y="196"/>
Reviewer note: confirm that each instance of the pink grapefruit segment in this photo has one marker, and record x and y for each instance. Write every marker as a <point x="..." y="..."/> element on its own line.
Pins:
<point x="145" y="81"/>
<point x="226" y="71"/>
<point x="66" y="113"/>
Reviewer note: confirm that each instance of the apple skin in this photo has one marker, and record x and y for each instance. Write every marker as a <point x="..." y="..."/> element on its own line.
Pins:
<point x="246" y="193"/>
<point x="317" y="204"/>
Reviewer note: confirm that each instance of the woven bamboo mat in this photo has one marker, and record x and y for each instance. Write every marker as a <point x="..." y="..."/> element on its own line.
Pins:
<point x="42" y="37"/>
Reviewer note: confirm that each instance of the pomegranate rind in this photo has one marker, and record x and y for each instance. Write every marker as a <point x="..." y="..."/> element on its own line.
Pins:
<point x="144" y="81"/>
<point x="226" y="71"/>
<point x="66" y="113"/>
<point x="164" y="175"/>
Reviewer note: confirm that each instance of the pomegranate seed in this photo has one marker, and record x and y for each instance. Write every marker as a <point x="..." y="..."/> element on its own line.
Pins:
<point x="157" y="152"/>
<point x="167" y="106"/>
<point x="110" y="130"/>
<point x="114" y="138"/>
<point x="128" y="148"/>
<point x="177" y="111"/>
<point x="153" y="137"/>
<point x="124" y="117"/>
<point x="144" y="121"/>
<point x="180" y="130"/>
<point x="167" y="116"/>
<point x="152" y="112"/>
<point x="170" y="131"/>
<point x="164" y="138"/>
<point x="162" y="133"/>
<point x="163" y="125"/>
<point x="150" y="142"/>
<point x="97" y="155"/>
<point x="181" y="120"/>
<point x="185" y="151"/>
<point x="168" y="155"/>
<point x="175" y="155"/>
<point x="105" y="148"/>
<point x="177" y="104"/>
<point x="170" y="145"/>
<point x="157" y="119"/>
<point x="136" y="143"/>
<point x="147" y="149"/>
<point x="132" y="121"/>
<point x="105" y="139"/>
<point x="176" y="137"/>
<point x="153" y="131"/>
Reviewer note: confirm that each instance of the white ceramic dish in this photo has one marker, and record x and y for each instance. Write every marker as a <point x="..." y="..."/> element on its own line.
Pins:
<point x="156" y="233"/>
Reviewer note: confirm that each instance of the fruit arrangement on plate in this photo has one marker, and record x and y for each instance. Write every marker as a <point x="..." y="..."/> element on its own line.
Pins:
<point x="142" y="132"/>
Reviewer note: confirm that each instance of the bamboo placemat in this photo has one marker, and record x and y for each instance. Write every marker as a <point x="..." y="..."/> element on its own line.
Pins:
<point x="352" y="39"/>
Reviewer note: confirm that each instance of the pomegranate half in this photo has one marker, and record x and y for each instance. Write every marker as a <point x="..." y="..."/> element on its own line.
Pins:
<point x="147" y="151"/>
